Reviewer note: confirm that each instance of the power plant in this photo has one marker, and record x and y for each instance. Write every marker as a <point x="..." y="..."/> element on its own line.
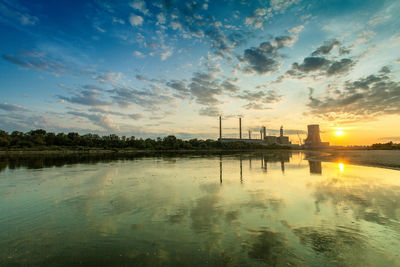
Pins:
<point x="264" y="138"/>
<point x="313" y="140"/>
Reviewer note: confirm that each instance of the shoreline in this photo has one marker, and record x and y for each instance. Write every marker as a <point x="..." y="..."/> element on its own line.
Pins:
<point x="131" y="151"/>
<point x="389" y="159"/>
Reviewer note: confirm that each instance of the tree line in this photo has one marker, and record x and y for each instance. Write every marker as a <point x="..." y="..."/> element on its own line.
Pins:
<point x="40" y="139"/>
<point x="386" y="146"/>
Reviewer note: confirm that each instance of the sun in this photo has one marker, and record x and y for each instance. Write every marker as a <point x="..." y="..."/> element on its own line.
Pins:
<point x="339" y="133"/>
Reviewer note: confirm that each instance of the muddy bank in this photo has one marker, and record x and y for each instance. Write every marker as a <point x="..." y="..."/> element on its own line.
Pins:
<point x="377" y="158"/>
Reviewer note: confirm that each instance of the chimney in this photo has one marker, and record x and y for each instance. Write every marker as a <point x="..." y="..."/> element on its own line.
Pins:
<point x="249" y="134"/>
<point x="220" y="128"/>
<point x="264" y="132"/>
<point x="240" y="128"/>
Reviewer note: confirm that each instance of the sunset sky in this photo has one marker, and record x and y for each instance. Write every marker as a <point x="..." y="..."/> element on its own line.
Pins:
<point x="154" y="68"/>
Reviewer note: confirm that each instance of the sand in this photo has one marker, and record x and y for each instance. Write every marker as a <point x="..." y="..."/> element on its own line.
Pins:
<point x="377" y="158"/>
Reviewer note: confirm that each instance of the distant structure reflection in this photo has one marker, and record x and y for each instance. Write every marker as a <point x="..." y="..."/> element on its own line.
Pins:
<point x="220" y="169"/>
<point x="241" y="170"/>
<point x="315" y="167"/>
<point x="264" y="158"/>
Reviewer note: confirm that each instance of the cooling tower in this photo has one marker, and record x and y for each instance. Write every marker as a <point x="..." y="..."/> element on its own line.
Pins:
<point x="313" y="137"/>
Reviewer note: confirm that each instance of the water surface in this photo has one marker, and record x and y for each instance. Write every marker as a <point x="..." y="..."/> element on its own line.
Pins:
<point x="273" y="209"/>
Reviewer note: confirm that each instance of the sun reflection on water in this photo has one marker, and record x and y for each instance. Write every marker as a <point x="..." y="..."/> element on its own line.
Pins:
<point x="341" y="167"/>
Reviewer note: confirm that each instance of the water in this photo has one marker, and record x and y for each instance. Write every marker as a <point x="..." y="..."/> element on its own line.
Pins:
<point x="273" y="209"/>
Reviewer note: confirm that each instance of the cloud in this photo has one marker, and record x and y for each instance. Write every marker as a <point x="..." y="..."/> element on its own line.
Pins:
<point x="267" y="97"/>
<point x="258" y="99"/>
<point x="229" y="86"/>
<point x="37" y="61"/>
<point x="204" y="88"/>
<point x="311" y="64"/>
<point x="11" y="107"/>
<point x="139" y="5"/>
<point x="373" y="95"/>
<point x="112" y="77"/>
<point x="189" y="19"/>
<point x="180" y="87"/>
<point x="342" y="66"/>
<point x="255" y="106"/>
<point x="320" y="63"/>
<point x="88" y="96"/>
<point x="321" y="66"/>
<point x="135" y="116"/>
<point x="104" y="121"/>
<point x="296" y="29"/>
<point x="161" y="19"/>
<point x="326" y="48"/>
<point x="150" y="98"/>
<point x="15" y="12"/>
<point x="135" y="20"/>
<point x="118" y="20"/>
<point x="138" y="54"/>
<point x="165" y="55"/>
<point x="280" y="6"/>
<point x="260" y="15"/>
<point x="209" y="111"/>
<point x="263" y="59"/>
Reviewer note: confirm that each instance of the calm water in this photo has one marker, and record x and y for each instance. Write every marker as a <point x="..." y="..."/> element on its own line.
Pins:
<point x="274" y="209"/>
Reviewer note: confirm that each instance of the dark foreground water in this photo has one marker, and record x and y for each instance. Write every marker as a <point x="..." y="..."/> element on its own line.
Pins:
<point x="274" y="209"/>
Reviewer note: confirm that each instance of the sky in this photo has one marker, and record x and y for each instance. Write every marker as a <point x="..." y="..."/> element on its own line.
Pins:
<point x="155" y="68"/>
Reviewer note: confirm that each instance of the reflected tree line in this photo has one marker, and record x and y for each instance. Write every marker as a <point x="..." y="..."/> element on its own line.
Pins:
<point x="60" y="160"/>
<point x="39" y="161"/>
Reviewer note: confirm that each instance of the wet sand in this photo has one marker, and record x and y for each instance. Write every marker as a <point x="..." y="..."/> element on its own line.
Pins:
<point x="377" y="158"/>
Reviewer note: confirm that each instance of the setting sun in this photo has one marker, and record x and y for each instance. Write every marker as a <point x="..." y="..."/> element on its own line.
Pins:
<point x="339" y="133"/>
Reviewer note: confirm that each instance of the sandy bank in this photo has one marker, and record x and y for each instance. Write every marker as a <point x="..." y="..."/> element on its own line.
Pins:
<point x="376" y="158"/>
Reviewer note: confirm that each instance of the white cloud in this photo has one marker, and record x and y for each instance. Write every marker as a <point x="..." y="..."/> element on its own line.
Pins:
<point x="161" y="18"/>
<point x="140" y="6"/>
<point x="260" y="12"/>
<point x="135" y="20"/>
<point x="138" y="54"/>
<point x="118" y="20"/>
<point x="166" y="55"/>
<point x="176" y="25"/>
<point x="296" y="29"/>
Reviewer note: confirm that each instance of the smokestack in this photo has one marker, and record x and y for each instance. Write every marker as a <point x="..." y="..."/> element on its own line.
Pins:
<point x="220" y="128"/>
<point x="249" y="134"/>
<point x="264" y="132"/>
<point x="281" y="131"/>
<point x="240" y="128"/>
<point x="261" y="132"/>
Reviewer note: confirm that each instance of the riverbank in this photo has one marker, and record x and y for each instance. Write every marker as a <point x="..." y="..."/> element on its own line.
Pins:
<point x="376" y="158"/>
<point x="6" y="153"/>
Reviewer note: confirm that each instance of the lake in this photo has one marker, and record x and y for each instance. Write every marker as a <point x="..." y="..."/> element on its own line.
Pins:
<point x="249" y="209"/>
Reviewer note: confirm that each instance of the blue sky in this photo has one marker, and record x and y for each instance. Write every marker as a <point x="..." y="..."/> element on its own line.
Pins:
<point x="152" y="68"/>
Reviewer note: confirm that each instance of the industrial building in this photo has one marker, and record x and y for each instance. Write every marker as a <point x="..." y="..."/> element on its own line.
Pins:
<point x="264" y="138"/>
<point x="313" y="139"/>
